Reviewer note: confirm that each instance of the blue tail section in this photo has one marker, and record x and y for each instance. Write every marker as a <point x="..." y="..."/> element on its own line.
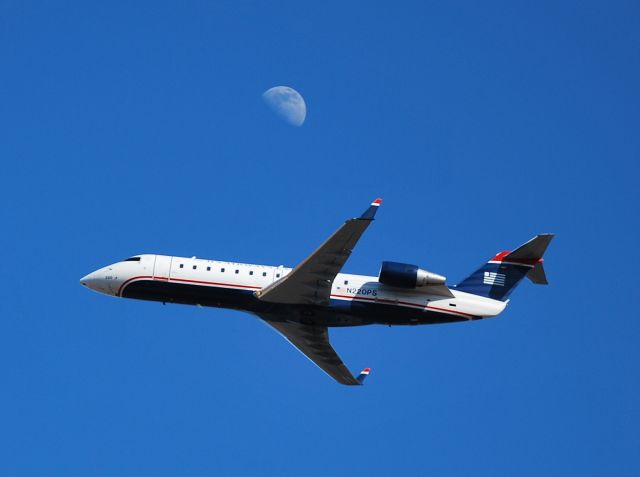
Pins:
<point x="499" y="276"/>
<point x="494" y="280"/>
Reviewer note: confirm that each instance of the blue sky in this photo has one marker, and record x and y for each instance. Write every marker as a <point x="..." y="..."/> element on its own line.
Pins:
<point x="140" y="128"/>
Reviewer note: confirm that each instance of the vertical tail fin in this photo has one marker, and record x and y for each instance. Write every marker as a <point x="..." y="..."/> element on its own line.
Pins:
<point x="499" y="276"/>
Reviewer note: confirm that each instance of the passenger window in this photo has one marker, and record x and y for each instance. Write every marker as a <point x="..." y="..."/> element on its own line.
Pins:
<point x="208" y="269"/>
<point x="181" y="265"/>
<point x="346" y="282"/>
<point x="251" y="272"/>
<point x="237" y="271"/>
<point x="195" y="266"/>
<point x="264" y="274"/>
<point x="277" y="275"/>
<point x="222" y="270"/>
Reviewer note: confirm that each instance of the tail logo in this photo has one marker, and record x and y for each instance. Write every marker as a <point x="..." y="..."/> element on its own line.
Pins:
<point x="493" y="278"/>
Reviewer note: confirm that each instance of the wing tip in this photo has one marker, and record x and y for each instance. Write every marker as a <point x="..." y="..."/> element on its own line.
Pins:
<point x="363" y="374"/>
<point x="370" y="213"/>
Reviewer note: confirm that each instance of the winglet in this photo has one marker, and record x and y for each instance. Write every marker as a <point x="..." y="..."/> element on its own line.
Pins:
<point x="370" y="213"/>
<point x="363" y="374"/>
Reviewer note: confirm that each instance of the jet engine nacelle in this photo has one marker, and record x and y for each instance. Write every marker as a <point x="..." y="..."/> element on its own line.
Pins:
<point x="403" y="275"/>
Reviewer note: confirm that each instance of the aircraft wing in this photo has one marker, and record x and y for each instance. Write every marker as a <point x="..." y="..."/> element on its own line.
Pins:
<point x="313" y="342"/>
<point x="310" y="282"/>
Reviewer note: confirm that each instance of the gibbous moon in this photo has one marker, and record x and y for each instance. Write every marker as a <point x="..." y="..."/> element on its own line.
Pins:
<point x="287" y="103"/>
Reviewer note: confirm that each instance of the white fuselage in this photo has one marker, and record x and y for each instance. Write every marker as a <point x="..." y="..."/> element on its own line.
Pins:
<point x="220" y="276"/>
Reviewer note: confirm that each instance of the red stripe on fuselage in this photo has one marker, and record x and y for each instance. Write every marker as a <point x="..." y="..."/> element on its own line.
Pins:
<point x="184" y="280"/>
<point x="213" y="283"/>
<point x="351" y="297"/>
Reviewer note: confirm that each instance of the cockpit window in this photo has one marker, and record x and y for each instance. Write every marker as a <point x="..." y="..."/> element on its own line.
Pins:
<point x="132" y="259"/>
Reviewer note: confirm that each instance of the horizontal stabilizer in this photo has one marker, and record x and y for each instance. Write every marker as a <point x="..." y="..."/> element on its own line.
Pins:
<point x="533" y="250"/>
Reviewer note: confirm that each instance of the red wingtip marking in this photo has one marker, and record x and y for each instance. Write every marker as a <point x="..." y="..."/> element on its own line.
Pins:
<point x="366" y="370"/>
<point x="378" y="201"/>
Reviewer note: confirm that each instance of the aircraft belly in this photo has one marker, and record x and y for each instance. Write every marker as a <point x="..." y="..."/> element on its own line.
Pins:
<point x="338" y="313"/>
<point x="386" y="314"/>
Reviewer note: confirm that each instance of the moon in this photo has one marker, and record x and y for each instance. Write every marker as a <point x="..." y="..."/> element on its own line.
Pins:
<point x="287" y="103"/>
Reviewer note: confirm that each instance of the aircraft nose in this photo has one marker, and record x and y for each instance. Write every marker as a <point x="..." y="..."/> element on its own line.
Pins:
<point x="89" y="280"/>
<point x="97" y="281"/>
<point x="104" y="280"/>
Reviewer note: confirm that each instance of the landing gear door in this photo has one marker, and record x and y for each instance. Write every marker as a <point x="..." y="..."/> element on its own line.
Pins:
<point x="162" y="267"/>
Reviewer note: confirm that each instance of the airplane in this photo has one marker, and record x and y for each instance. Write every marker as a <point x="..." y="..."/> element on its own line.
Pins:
<point x="301" y="303"/>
